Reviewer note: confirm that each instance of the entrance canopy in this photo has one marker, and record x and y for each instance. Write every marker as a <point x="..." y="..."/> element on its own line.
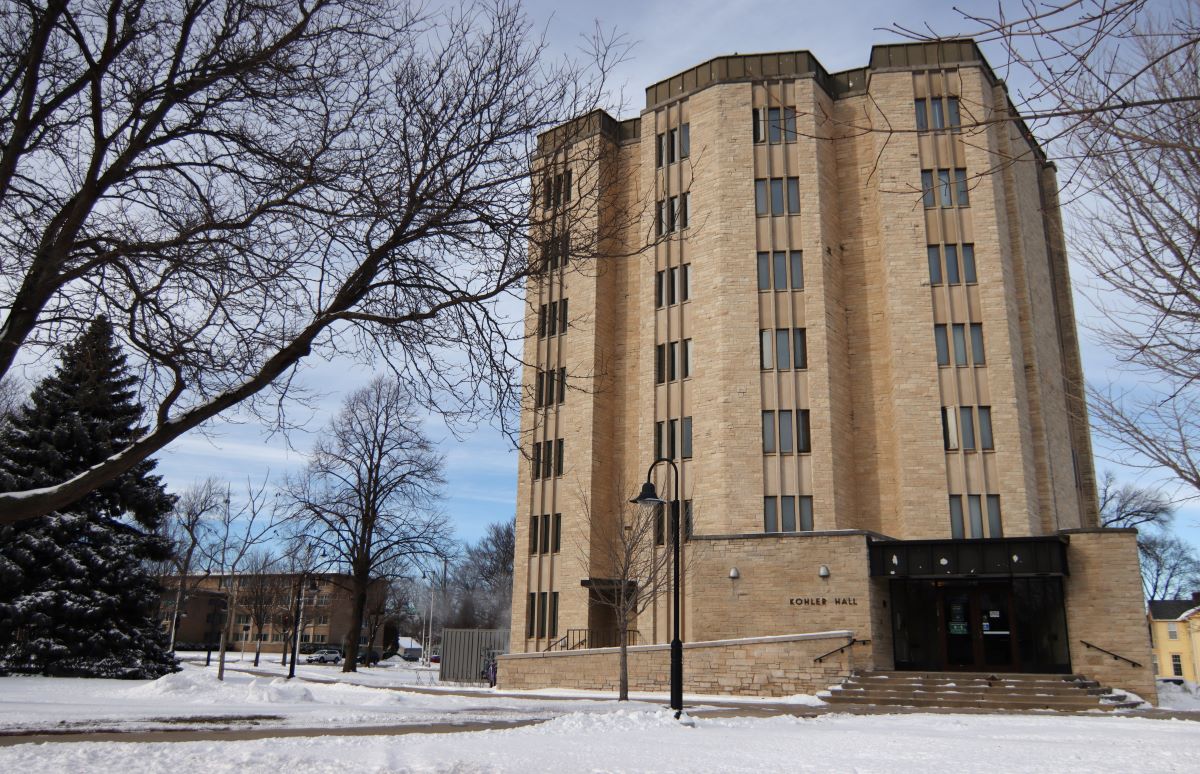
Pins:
<point x="998" y="558"/>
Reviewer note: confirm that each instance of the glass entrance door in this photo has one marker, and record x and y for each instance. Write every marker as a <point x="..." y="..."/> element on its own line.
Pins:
<point x="977" y="626"/>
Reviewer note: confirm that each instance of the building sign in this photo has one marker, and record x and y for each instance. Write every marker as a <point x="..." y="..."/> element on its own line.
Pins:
<point x="821" y="601"/>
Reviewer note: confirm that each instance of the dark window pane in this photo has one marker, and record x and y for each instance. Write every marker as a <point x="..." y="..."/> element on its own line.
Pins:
<point x="660" y="221"/>
<point x="672" y="436"/>
<point x="806" y="513"/>
<point x="766" y="349"/>
<point x="687" y="358"/>
<point x="939" y="343"/>
<point x="539" y="384"/>
<point x="660" y="363"/>
<point x="768" y="429"/>
<point x="672" y="146"/>
<point x="995" y="524"/>
<point x="685" y="442"/>
<point x="533" y="534"/>
<point x="935" y="265"/>
<point x="804" y="432"/>
<point x="977" y="355"/>
<point x="789" y="124"/>
<point x="922" y="118"/>
<point x="793" y="192"/>
<point x="785" y="432"/>
<point x="770" y="522"/>
<point x="976" y="513"/>
<point x="927" y="193"/>
<point x="685" y="209"/>
<point x="985" y="428"/>
<point x="777" y="196"/>
<point x="672" y="285"/>
<point x="968" y="258"/>
<point x="659" y="143"/>
<point x="562" y="384"/>
<point x="797" y="270"/>
<point x="530" y="610"/>
<point x="764" y="271"/>
<point x="952" y="275"/>
<point x="548" y="399"/>
<point x="658" y="439"/>
<point x="673" y="361"/>
<point x="761" y="206"/>
<point x="944" y="189"/>
<point x="685" y="141"/>
<point x="545" y="534"/>
<point x="960" y="179"/>
<point x="956" y="517"/>
<point x="787" y="513"/>
<point x="939" y="119"/>
<point x="783" y="350"/>
<point x="659" y="289"/>
<point x="960" y="345"/>
<point x="774" y="125"/>
<point x="952" y="110"/>
<point x="800" y="348"/>
<point x="554" y="614"/>
<point x="537" y="460"/>
<point x="558" y="457"/>
<point x="967" y="427"/>
<point x="562" y="316"/>
<point x="756" y="122"/>
<point x="781" y="281"/>
<point x="541" y="629"/>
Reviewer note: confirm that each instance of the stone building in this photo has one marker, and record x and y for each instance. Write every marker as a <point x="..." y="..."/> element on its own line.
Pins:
<point x="841" y="304"/>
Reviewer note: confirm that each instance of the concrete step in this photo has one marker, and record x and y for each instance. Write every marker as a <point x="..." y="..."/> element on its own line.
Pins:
<point x="974" y="690"/>
<point x="962" y="690"/>
<point x="964" y="702"/>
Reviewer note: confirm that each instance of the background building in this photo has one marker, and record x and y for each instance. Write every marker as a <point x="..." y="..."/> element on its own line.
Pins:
<point x="327" y="607"/>
<point x="1175" y="634"/>
<point x="841" y="303"/>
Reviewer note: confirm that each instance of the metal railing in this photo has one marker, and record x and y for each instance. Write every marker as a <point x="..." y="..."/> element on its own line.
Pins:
<point x="578" y="639"/>
<point x="852" y="641"/>
<point x="1117" y="656"/>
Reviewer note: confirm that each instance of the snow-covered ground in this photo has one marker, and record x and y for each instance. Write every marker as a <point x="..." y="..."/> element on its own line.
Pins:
<point x="1180" y="698"/>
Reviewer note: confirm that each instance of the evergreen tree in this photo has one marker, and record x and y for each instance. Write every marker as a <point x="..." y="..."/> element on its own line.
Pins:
<point x="75" y="597"/>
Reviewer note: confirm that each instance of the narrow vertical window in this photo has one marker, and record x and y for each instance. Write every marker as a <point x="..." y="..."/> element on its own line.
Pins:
<point x="672" y="361"/>
<point x="557" y="532"/>
<point x="785" y="432"/>
<point x="806" y="513"/>
<point x="780" y="262"/>
<point x="949" y="428"/>
<point x="548" y="459"/>
<point x="537" y="460"/>
<point x="944" y="188"/>
<point x="685" y="209"/>
<point x="545" y="534"/>
<point x="533" y="534"/>
<point x="922" y="118"/>
<point x="558" y="457"/>
<point x="968" y="258"/>
<point x="660" y="290"/>
<point x="952" y="275"/>
<point x="672" y="213"/>
<point x="770" y="522"/>
<point x="541" y="325"/>
<point x="761" y="206"/>
<point x="985" y="428"/>
<point x="541" y="629"/>
<point x="939" y="343"/>
<point x="567" y="186"/>
<point x="672" y="146"/>
<point x="756" y="122"/>
<point x="939" y="118"/>
<point x="768" y="429"/>
<point x="660" y="220"/>
<point x="539" y="382"/>
<point x="977" y="355"/>
<point x="927" y="192"/>
<point x="764" y="271"/>
<point x="952" y="112"/>
<point x="548" y="399"/>
<point x="960" y="344"/>
<point x="787" y="513"/>
<point x="789" y="124"/>
<point x="799" y="348"/>
<point x="660" y="525"/>
<point x="797" y="262"/>
<point x="658" y="440"/>
<point x="803" y="432"/>
<point x="685" y="140"/>
<point x="766" y="349"/>
<point x="960" y="180"/>
<point x="793" y="195"/>
<point x="783" y="350"/>
<point x="562" y="316"/>
<point x="777" y="196"/>
<point x="562" y="384"/>
<point x="686" y="369"/>
<point x="530" y="614"/>
<point x="956" y="517"/>
<point x="685" y="282"/>
<point x="935" y="265"/>
<point x="967" y="427"/>
<point x="774" y="126"/>
<point x="553" y="613"/>
<point x="672" y="283"/>
<point x="975" y="511"/>
<point x="660" y="363"/>
<point x="685" y="438"/>
<point x="672" y="436"/>
<point x="659" y="144"/>
<point x="995" y="525"/>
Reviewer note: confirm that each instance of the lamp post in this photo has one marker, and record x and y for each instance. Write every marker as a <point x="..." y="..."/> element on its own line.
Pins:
<point x="649" y="498"/>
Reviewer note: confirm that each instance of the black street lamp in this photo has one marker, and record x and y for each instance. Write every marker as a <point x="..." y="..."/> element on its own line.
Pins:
<point x="649" y="498"/>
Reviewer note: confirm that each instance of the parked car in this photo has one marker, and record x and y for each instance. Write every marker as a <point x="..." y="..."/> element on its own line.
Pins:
<point x="369" y="657"/>
<point x="411" y="655"/>
<point x="325" y="657"/>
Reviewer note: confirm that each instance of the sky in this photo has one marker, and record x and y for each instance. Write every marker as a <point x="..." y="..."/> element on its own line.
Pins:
<point x="666" y="38"/>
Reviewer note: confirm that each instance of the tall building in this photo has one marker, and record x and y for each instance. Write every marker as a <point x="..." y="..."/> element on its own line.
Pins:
<point x="841" y="304"/>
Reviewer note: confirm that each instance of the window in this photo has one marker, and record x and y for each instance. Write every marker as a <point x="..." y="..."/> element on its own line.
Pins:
<point x="539" y="383"/>
<point x="545" y="534"/>
<point x="685" y="140"/>
<point x="660" y="152"/>
<point x="1172" y="631"/>
<point x="541" y="629"/>
<point x="799" y="348"/>
<point x="672" y="286"/>
<point x="241" y="618"/>
<point x="955" y="273"/>
<point x="547" y="459"/>
<point x="780" y="514"/>
<point x="660" y="529"/>
<point x="530" y="609"/>
<point x="803" y="432"/>
<point x="953" y="113"/>
<point x="685" y="442"/>
<point x="787" y="513"/>
<point x="558" y="457"/>
<point x="781" y="270"/>
<point x="960" y="344"/>
<point x="785" y="432"/>
<point x="806" y="513"/>
<point x="556" y="189"/>
<point x="985" y="428"/>
<point x="977" y="357"/>
<point x="949" y="428"/>
<point x="797" y="265"/>
<point x="764" y="271"/>
<point x="672" y="437"/>
<point x="968" y="259"/>
<point x="783" y="350"/>
<point x="685" y="209"/>
<point x="659" y="448"/>
<point x="780" y="124"/>
<point x="685" y="282"/>
<point x="940" y="344"/>
<point x="687" y="358"/>
<point x="967" y="427"/>
<point x="768" y="429"/>
<point x="1177" y="664"/>
<point x="956" y="517"/>
<point x="673" y="361"/>
<point x="550" y="387"/>
<point x="756" y="123"/>
<point x="995" y="526"/>
<point x="660" y="363"/>
<point x="553" y="626"/>
<point x="939" y="116"/>
<point x="922" y="118"/>
<point x="660" y="220"/>
<point x="557" y="532"/>
<point x="976" y="513"/>
<point x="533" y="534"/>
<point x="781" y="280"/>
<point x="766" y="349"/>
<point x="944" y="188"/>
<point x="552" y="318"/>
<point x="672" y="146"/>
<point x="935" y="265"/>
<point x="943" y="110"/>
<point x="769" y="196"/>
<point x="673" y="214"/>
<point x="770" y="520"/>
<point x="660" y="289"/>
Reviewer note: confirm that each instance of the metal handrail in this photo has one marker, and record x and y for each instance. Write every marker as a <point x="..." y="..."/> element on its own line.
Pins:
<point x="1129" y="661"/>
<point x="581" y="639"/>
<point x="852" y="641"/>
<point x="556" y="643"/>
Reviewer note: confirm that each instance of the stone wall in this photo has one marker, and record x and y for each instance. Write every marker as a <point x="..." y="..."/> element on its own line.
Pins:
<point x="1104" y="607"/>
<point x="758" y="666"/>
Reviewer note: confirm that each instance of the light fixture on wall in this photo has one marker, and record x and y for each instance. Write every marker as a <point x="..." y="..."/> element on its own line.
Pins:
<point x="824" y="571"/>
<point x="734" y="574"/>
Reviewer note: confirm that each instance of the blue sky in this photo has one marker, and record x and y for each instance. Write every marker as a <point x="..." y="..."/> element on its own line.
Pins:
<point x="667" y="38"/>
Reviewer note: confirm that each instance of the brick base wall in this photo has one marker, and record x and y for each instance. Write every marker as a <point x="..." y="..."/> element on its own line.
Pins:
<point x="757" y="666"/>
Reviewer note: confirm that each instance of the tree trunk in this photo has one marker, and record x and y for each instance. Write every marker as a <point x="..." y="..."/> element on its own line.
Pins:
<point x="258" y="646"/>
<point x="356" y="621"/>
<point x="623" y="688"/>
<point x="180" y="593"/>
<point x="231" y="606"/>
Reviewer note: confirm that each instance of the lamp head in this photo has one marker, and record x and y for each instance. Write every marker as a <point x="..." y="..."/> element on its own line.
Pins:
<point x="648" y="496"/>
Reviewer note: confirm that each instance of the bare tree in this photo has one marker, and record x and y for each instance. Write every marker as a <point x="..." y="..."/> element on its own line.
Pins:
<point x="482" y="580"/>
<point x="230" y="544"/>
<point x="239" y="184"/>
<point x="1170" y="567"/>
<point x="260" y="594"/>
<point x="185" y="529"/>
<point x="630" y="553"/>
<point x="1128" y="505"/>
<point x="12" y="395"/>
<point x="369" y="495"/>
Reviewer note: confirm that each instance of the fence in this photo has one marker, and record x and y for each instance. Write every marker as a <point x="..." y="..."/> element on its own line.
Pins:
<point x="467" y="654"/>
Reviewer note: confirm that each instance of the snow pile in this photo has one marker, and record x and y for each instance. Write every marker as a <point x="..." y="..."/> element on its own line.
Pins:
<point x="194" y="685"/>
<point x="1181" y="698"/>
<point x="621" y="721"/>
<point x="200" y="687"/>
<point x="277" y="691"/>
